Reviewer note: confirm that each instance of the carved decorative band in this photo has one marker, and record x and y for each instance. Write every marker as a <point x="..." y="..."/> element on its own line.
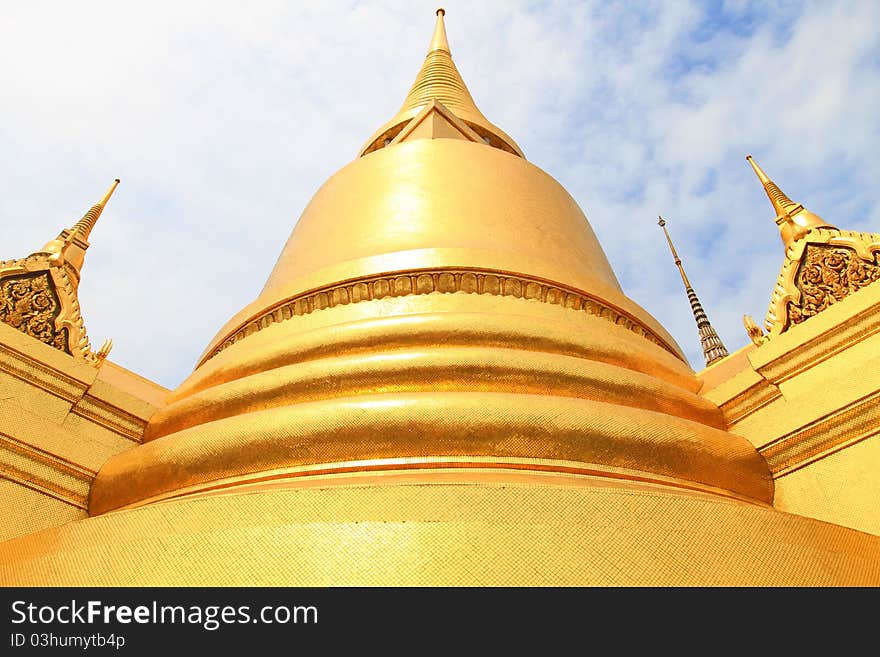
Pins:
<point x="110" y="417"/>
<point x="749" y="401"/>
<point x="44" y="376"/>
<point x="44" y="472"/>
<point x="444" y="281"/>
<point x="73" y="391"/>
<point x="819" y="439"/>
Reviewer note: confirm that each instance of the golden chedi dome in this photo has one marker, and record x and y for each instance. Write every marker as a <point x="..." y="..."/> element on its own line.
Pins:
<point x="442" y="382"/>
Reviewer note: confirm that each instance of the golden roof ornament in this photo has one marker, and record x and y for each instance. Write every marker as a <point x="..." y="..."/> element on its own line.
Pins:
<point x="71" y="244"/>
<point x="823" y="264"/>
<point x="439" y="80"/>
<point x="713" y="348"/>
<point x="793" y="219"/>
<point x="756" y="335"/>
<point x="38" y="293"/>
<point x="83" y="227"/>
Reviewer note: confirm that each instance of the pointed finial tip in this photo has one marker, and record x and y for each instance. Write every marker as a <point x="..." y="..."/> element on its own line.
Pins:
<point x="765" y="180"/>
<point x="83" y="227"/>
<point x="109" y="193"/>
<point x="439" y="41"/>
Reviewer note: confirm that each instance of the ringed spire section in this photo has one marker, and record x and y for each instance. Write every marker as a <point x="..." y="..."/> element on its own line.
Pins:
<point x="823" y="264"/>
<point x="439" y="80"/>
<point x="713" y="348"/>
<point x="38" y="293"/>
<point x="793" y="219"/>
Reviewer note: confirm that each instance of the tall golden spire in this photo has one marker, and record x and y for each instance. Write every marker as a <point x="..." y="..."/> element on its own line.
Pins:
<point x="45" y="303"/>
<point x="440" y="80"/>
<point x="713" y="348"/>
<point x="793" y="219"/>
<point x="70" y="246"/>
<point x="83" y="227"/>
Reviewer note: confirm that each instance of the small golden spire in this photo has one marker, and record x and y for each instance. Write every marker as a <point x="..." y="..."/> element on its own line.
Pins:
<point x="793" y="219"/>
<point x="713" y="348"/>
<point x="781" y="203"/>
<point x="83" y="227"/>
<point x="438" y="41"/>
<point x="440" y="80"/>
<point x="69" y="248"/>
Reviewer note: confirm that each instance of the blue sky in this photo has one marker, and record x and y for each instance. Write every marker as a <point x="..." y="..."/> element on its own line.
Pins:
<point x="222" y="123"/>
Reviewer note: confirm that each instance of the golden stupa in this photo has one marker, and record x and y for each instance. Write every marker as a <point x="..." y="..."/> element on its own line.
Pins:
<point x="443" y="383"/>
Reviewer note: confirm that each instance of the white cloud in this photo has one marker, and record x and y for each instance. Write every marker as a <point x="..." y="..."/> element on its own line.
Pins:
<point x="222" y="123"/>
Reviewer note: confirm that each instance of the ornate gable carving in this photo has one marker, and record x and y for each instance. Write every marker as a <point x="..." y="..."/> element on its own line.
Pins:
<point x="38" y="297"/>
<point x="38" y="294"/>
<point x="822" y="268"/>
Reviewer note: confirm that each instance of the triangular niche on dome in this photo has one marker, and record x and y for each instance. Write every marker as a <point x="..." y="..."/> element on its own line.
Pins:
<point x="436" y="121"/>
